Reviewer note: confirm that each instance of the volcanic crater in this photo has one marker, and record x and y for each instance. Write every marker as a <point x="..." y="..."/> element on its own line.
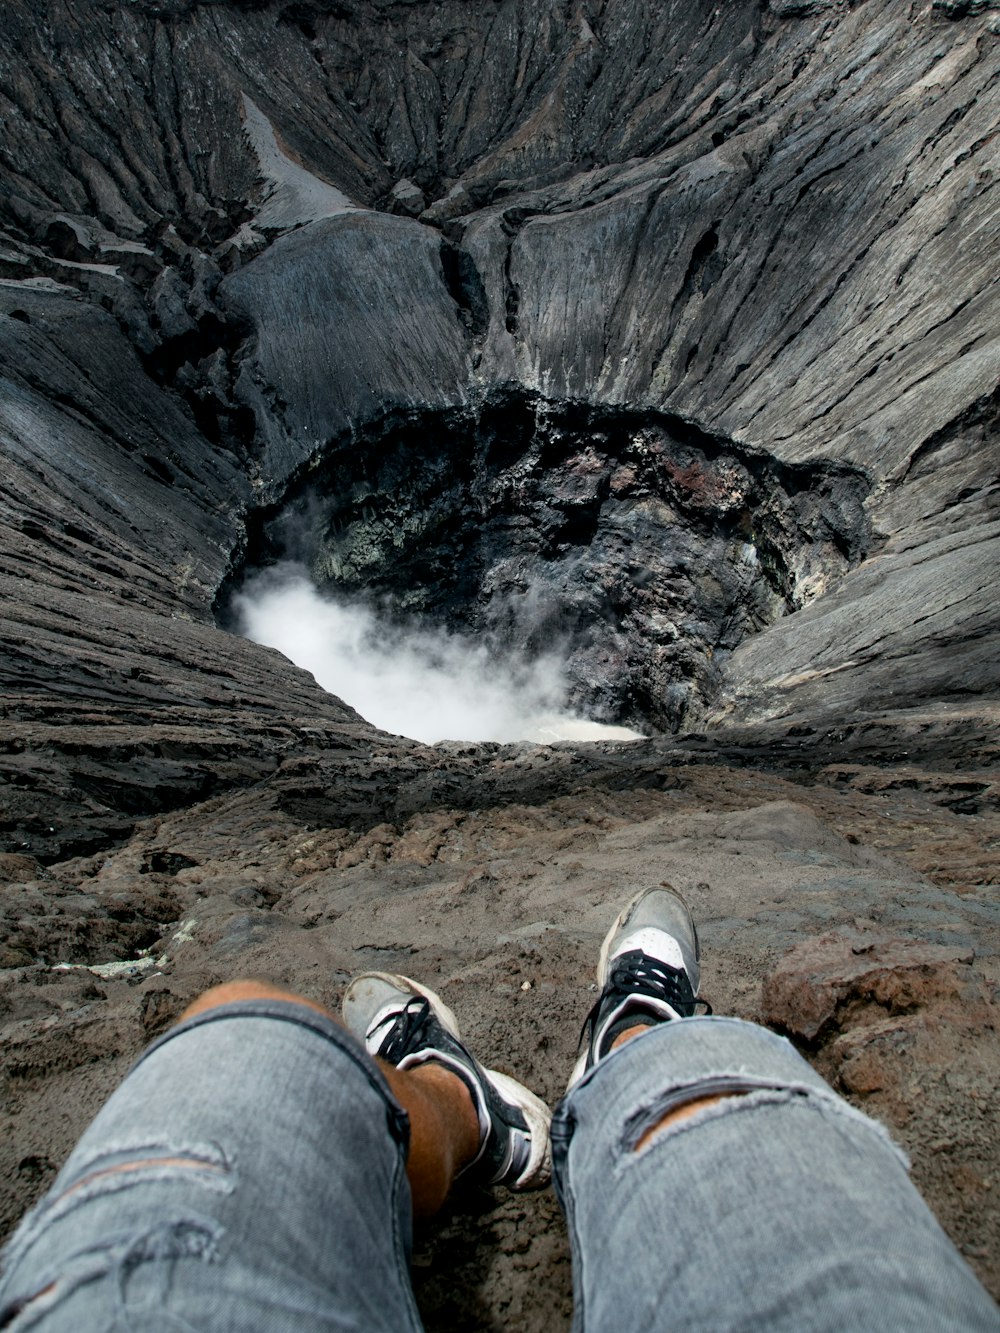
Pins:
<point x="660" y="336"/>
<point x="638" y="547"/>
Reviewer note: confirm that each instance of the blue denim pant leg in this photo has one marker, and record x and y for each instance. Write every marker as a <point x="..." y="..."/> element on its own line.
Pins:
<point x="273" y="1194"/>
<point x="783" y="1208"/>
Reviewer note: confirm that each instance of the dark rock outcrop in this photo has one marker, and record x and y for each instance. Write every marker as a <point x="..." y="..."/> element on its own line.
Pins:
<point x="640" y="550"/>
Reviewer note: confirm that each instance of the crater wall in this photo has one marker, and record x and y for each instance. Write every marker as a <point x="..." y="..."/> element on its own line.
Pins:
<point x="238" y="240"/>
<point x="666" y="333"/>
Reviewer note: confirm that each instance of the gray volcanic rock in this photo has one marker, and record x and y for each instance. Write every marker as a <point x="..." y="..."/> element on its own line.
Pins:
<point x="784" y="238"/>
<point x="120" y="696"/>
<point x="915" y="624"/>
<point x="635" y="547"/>
<point x="666" y="335"/>
<point x="351" y="319"/>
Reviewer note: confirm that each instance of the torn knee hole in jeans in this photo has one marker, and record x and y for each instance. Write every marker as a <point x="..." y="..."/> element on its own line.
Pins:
<point x="146" y="1166"/>
<point x="23" y="1303"/>
<point x="205" y="1152"/>
<point x="733" y="1095"/>
<point x="126" y="1167"/>
<point x="722" y="1095"/>
<point x="115" y="1258"/>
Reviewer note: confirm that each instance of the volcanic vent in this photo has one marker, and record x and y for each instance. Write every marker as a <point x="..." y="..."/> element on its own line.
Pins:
<point x="636" y="547"/>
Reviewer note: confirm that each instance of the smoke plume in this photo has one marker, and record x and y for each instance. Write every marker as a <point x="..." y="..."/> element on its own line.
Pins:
<point x="423" y="683"/>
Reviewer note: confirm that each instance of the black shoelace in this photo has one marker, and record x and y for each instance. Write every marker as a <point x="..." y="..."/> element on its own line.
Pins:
<point x="636" y="974"/>
<point x="407" y="1031"/>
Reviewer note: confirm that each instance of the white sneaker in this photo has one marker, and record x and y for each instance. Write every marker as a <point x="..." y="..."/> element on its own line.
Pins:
<point x="408" y="1025"/>
<point x="648" y="972"/>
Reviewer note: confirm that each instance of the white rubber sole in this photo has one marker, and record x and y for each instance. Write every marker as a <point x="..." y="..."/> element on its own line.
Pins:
<point x="538" y="1172"/>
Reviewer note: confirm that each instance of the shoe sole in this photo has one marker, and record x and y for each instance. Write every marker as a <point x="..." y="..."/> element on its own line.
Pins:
<point x="538" y="1172"/>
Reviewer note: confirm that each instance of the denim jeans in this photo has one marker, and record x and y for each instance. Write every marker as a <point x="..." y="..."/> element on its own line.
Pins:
<point x="780" y="1208"/>
<point x="270" y="1194"/>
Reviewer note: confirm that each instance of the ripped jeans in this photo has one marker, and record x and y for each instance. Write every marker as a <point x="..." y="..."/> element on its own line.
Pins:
<point x="264" y="1190"/>
<point x="781" y="1208"/>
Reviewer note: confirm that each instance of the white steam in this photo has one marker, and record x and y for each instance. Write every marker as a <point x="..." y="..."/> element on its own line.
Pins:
<point x="426" y="684"/>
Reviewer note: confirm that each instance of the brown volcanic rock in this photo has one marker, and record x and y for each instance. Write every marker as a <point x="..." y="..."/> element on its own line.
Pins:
<point x="503" y="908"/>
<point x="830" y="983"/>
<point x="909" y="1030"/>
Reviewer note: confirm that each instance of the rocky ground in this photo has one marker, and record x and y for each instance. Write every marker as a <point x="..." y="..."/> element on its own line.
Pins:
<point x="664" y="334"/>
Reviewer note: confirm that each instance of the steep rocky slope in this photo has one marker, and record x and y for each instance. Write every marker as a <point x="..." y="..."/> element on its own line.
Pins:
<point x="664" y="334"/>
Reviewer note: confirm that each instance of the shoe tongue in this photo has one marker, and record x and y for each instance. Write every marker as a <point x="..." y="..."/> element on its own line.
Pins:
<point x="381" y="1026"/>
<point x="654" y="944"/>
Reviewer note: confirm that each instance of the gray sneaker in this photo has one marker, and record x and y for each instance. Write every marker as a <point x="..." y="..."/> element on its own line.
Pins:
<point x="648" y="972"/>
<point x="408" y="1025"/>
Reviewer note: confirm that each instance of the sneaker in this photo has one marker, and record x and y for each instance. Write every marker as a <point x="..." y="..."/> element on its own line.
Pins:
<point x="648" y="972"/>
<point x="408" y="1025"/>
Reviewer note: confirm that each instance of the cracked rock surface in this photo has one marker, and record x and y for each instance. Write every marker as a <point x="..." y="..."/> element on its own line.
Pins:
<point x="663" y="334"/>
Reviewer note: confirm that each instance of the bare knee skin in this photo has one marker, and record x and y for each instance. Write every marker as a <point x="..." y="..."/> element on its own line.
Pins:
<point x="232" y="992"/>
<point x="444" y="1126"/>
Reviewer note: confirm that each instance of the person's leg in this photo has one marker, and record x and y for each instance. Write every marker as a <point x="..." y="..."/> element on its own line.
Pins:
<point x="712" y="1180"/>
<point x="250" y="1172"/>
<point x="444" y="1128"/>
